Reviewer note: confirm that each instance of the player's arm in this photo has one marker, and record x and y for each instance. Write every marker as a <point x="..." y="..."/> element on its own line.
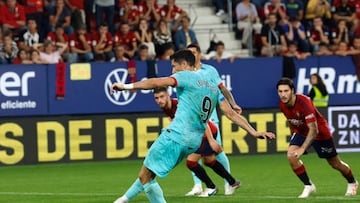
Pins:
<point x="144" y="84"/>
<point x="313" y="131"/>
<point x="242" y="122"/>
<point x="215" y="146"/>
<point x="229" y="97"/>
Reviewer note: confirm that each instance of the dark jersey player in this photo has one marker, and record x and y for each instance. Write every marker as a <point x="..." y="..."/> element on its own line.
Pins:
<point x="309" y="127"/>
<point x="207" y="150"/>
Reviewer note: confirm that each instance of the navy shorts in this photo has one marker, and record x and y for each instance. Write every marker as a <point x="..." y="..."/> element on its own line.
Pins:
<point x="324" y="148"/>
<point x="205" y="148"/>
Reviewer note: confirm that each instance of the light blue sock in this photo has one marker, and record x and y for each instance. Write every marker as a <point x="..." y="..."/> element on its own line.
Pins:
<point x="222" y="158"/>
<point x="195" y="178"/>
<point x="134" y="189"/>
<point x="154" y="192"/>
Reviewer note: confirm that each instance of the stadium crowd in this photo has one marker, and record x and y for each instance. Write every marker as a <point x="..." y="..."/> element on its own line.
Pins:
<point x="52" y="31"/>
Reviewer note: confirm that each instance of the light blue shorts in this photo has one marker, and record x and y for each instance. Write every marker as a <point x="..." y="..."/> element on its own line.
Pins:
<point x="164" y="154"/>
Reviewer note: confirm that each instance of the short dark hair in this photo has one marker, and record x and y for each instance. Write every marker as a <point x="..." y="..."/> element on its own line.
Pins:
<point x="220" y="43"/>
<point x="184" y="55"/>
<point x="143" y="46"/>
<point x="160" y="89"/>
<point x="285" y="81"/>
<point x="194" y="45"/>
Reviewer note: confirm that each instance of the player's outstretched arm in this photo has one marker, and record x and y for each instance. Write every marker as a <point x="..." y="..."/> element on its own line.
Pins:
<point x="242" y="122"/>
<point x="215" y="146"/>
<point x="144" y="84"/>
<point x="230" y="98"/>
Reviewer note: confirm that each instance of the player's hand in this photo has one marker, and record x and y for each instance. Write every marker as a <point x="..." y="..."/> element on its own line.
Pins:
<point x="265" y="135"/>
<point x="216" y="147"/>
<point x="116" y="86"/>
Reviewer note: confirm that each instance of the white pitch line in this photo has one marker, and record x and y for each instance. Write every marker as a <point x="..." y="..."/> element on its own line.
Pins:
<point x="353" y="198"/>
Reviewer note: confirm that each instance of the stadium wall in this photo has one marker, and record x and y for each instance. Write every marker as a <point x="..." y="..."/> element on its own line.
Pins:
<point x="89" y="124"/>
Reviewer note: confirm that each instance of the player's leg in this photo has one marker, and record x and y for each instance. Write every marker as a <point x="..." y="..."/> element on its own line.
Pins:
<point x="151" y="187"/>
<point x="298" y="167"/>
<point x="193" y="165"/>
<point x="197" y="188"/>
<point x="132" y="192"/>
<point x="326" y="149"/>
<point x="223" y="159"/>
<point x="210" y="161"/>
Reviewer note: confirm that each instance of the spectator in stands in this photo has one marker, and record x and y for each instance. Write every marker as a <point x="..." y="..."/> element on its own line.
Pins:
<point x="61" y="15"/>
<point x="318" y="8"/>
<point x="105" y="8"/>
<point x="342" y="49"/>
<point x="80" y="45"/>
<point x="341" y="33"/>
<point x="168" y="51"/>
<point x="90" y="18"/>
<point x="142" y="53"/>
<point x="185" y="35"/>
<point x="347" y="12"/>
<point x="169" y="11"/>
<point x="293" y="51"/>
<point x="295" y="8"/>
<point x="323" y="50"/>
<point x="22" y="57"/>
<point x="355" y="47"/>
<point x="130" y="14"/>
<point x="318" y="33"/>
<point x="295" y="31"/>
<point x="12" y="17"/>
<point x="247" y="20"/>
<point x="219" y="54"/>
<point x="30" y="37"/>
<point x="120" y="54"/>
<point x="126" y="38"/>
<point x="272" y="38"/>
<point x="52" y="51"/>
<point x="145" y="36"/>
<point x="59" y="35"/>
<point x="8" y="48"/>
<point x="35" y="57"/>
<point x="162" y="37"/>
<point x="219" y="6"/>
<point x="34" y="10"/>
<point x="149" y="10"/>
<point x="77" y="8"/>
<point x="278" y="8"/>
<point x="102" y="43"/>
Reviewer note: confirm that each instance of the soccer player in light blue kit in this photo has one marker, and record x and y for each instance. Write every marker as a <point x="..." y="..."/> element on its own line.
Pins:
<point x="212" y="73"/>
<point x="197" y="97"/>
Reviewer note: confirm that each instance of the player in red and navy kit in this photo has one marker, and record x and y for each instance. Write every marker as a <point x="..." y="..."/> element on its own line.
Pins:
<point x="309" y="128"/>
<point x="207" y="150"/>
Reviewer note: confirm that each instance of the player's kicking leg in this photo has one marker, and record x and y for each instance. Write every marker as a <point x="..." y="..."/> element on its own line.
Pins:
<point x="146" y="182"/>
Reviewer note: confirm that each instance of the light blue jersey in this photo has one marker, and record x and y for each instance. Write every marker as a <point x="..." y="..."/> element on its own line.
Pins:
<point x="198" y="97"/>
<point x="211" y="72"/>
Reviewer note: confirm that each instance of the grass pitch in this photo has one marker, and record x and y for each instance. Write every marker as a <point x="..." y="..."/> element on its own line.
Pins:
<point x="265" y="178"/>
